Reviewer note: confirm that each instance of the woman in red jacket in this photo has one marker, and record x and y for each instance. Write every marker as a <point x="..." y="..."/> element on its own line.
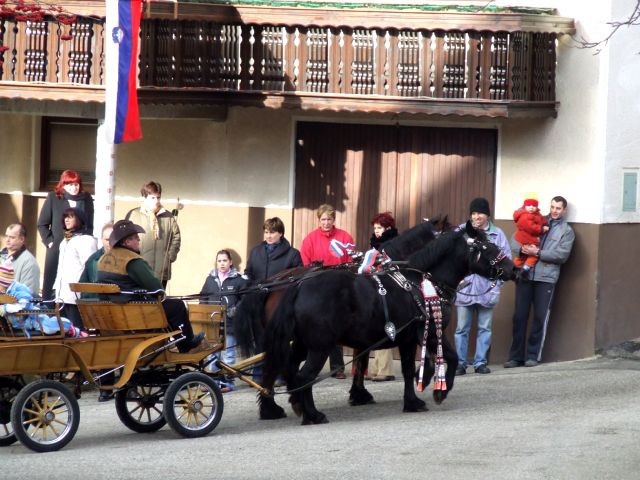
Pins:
<point x="316" y="247"/>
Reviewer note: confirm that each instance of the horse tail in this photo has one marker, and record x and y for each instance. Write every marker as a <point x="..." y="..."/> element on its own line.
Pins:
<point x="279" y="333"/>
<point x="247" y="322"/>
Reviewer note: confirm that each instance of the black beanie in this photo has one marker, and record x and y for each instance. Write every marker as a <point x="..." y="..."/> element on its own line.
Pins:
<point x="480" y="205"/>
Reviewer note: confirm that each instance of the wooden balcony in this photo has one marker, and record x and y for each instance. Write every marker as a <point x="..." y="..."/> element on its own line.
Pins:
<point x="370" y="60"/>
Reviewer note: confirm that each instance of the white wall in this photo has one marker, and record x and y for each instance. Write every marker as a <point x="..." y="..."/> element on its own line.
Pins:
<point x="582" y="154"/>
<point x="16" y="152"/>
<point x="243" y="161"/>
<point x="622" y="134"/>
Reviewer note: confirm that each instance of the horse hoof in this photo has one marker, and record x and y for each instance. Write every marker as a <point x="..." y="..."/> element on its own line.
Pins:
<point x="439" y="396"/>
<point x="360" y="397"/>
<point x="274" y="413"/>
<point x="416" y="406"/>
<point x="357" y="403"/>
<point x="319" y="421"/>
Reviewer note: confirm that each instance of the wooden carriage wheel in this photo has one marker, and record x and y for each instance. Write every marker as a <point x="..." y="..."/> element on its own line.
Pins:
<point x="45" y="416"/>
<point x="193" y="405"/>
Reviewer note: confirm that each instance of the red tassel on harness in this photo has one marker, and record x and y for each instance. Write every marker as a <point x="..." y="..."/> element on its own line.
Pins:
<point x="434" y="310"/>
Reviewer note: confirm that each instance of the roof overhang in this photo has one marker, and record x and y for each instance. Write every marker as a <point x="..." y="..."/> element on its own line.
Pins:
<point x="409" y="17"/>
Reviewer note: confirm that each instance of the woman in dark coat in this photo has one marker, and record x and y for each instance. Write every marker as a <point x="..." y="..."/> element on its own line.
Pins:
<point x="384" y="228"/>
<point x="67" y="194"/>
<point x="273" y="255"/>
<point x="221" y="286"/>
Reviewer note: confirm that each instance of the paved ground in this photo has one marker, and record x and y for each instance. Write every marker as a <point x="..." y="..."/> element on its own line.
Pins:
<point x="571" y="420"/>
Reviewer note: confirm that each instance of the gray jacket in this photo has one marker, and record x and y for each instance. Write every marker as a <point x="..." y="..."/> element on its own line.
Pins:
<point x="26" y="269"/>
<point x="555" y="247"/>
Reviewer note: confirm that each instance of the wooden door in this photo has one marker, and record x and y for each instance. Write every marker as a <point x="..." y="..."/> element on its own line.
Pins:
<point x="414" y="172"/>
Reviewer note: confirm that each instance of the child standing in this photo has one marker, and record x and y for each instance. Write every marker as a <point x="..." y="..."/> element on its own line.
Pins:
<point x="530" y="224"/>
<point x="221" y="286"/>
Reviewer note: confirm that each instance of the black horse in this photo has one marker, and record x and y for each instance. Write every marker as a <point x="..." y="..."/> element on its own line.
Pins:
<point x="338" y="306"/>
<point x="258" y="304"/>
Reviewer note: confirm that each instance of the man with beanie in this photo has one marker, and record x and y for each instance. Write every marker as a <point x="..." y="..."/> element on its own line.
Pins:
<point x="477" y="297"/>
<point x="530" y="224"/>
<point x="123" y="266"/>
<point x="536" y="290"/>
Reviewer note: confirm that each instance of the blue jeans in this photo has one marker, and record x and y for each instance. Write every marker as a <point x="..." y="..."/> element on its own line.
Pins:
<point x="483" y="338"/>
<point x="229" y="353"/>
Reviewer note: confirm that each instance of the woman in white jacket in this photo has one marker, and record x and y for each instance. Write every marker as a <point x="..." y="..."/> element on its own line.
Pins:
<point x="78" y="245"/>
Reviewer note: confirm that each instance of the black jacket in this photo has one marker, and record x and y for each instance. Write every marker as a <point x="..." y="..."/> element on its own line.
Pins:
<point x="262" y="266"/>
<point x="225" y="293"/>
<point x="386" y="235"/>
<point x="50" y="218"/>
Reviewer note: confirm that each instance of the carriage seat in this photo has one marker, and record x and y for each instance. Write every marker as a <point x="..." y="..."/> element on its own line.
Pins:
<point x="9" y="331"/>
<point x="106" y="316"/>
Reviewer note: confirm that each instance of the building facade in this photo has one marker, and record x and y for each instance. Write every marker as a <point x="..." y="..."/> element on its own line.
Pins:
<point x="350" y="107"/>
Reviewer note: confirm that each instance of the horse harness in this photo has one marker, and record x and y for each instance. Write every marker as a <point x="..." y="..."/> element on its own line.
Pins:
<point x="433" y="296"/>
<point x="431" y="307"/>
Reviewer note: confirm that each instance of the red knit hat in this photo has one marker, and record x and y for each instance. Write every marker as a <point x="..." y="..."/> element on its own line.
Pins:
<point x="530" y="202"/>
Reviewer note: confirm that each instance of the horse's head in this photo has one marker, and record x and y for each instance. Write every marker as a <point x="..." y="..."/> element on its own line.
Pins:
<point x="485" y="258"/>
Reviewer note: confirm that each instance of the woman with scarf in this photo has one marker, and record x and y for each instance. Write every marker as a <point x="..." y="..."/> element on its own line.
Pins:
<point x="75" y="249"/>
<point x="67" y="194"/>
<point x="161" y="242"/>
<point x="384" y="228"/>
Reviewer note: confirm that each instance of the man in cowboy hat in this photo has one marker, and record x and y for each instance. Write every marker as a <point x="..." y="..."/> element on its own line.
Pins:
<point x="124" y="266"/>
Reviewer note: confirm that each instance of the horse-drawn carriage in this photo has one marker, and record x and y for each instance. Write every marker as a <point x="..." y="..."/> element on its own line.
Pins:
<point x="315" y="311"/>
<point x="156" y="384"/>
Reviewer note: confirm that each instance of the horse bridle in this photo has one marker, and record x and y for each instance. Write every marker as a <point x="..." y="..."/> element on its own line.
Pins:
<point x="480" y="247"/>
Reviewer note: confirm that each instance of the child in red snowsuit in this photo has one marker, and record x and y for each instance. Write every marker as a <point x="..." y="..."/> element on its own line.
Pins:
<point x="530" y="224"/>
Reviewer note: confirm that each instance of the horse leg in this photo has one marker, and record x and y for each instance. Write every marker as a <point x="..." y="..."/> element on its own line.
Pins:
<point x="407" y="361"/>
<point x="268" y="408"/>
<point x="307" y="374"/>
<point x="358" y="395"/>
<point x="299" y="353"/>
<point x="451" y="358"/>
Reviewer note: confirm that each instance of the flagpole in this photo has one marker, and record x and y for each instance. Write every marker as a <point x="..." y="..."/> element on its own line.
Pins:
<point x="104" y="200"/>
<point x="121" y="121"/>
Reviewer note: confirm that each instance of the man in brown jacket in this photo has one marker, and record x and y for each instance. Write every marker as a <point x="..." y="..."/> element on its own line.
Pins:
<point x="160" y="244"/>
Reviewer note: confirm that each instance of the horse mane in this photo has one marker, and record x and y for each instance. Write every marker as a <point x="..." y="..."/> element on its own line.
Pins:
<point x="412" y="240"/>
<point x="425" y="258"/>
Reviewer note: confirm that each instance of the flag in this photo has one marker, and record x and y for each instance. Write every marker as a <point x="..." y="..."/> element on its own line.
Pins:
<point x="339" y="249"/>
<point x="122" y="31"/>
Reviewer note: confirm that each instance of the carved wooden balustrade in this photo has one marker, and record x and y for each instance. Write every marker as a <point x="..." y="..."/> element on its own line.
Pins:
<point x="408" y="63"/>
<point x="269" y="57"/>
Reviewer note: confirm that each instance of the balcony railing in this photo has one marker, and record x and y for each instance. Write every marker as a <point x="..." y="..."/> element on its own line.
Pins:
<point x="412" y="62"/>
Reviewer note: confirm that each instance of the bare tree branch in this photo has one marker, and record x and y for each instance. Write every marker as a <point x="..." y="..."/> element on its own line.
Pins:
<point x="632" y="20"/>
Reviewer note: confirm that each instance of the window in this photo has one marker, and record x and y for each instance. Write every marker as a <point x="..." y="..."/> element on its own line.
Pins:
<point x="68" y="144"/>
<point x="629" y="192"/>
